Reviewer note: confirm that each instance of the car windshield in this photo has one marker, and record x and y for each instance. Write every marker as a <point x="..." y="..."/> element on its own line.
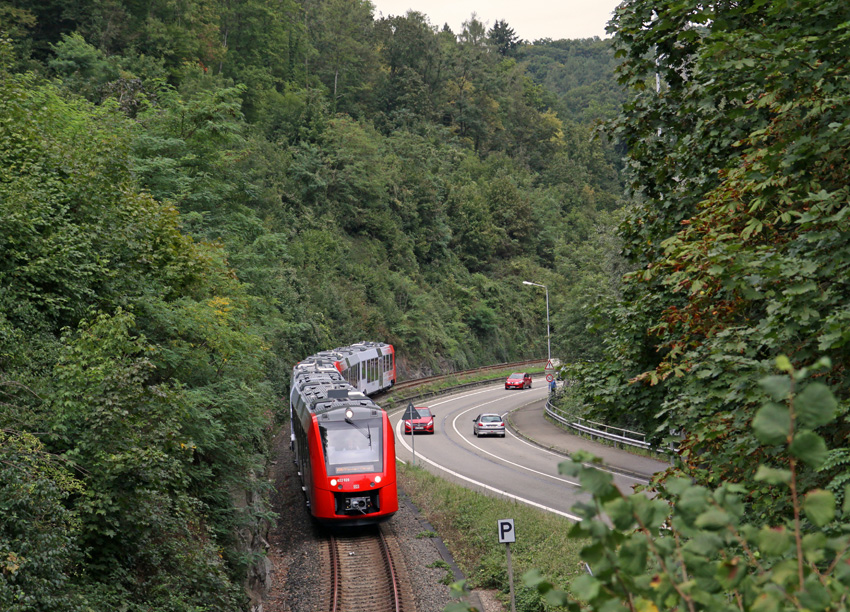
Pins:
<point x="491" y="418"/>
<point x="416" y="413"/>
<point x="516" y="376"/>
<point x="352" y="447"/>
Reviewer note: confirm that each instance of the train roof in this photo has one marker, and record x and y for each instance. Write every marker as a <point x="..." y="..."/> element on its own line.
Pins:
<point x="306" y="377"/>
<point x="341" y="352"/>
<point x="316" y="363"/>
<point x="336" y="410"/>
<point x="323" y="392"/>
<point x="326" y="361"/>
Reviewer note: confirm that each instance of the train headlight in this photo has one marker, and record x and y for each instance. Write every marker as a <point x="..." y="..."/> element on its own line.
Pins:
<point x="333" y="482"/>
<point x="349" y="413"/>
<point x="377" y="479"/>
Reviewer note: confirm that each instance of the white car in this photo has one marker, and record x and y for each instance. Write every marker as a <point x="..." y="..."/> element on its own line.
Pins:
<point x="488" y="425"/>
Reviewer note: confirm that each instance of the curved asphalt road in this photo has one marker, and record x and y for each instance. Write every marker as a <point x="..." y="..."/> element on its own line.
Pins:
<point x="522" y="466"/>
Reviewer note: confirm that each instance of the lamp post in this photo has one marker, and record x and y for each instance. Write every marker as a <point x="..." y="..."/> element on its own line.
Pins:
<point x="548" y="342"/>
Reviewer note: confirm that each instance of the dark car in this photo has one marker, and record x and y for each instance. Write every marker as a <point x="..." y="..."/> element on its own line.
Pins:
<point x="518" y="380"/>
<point x="488" y="425"/>
<point x="418" y="420"/>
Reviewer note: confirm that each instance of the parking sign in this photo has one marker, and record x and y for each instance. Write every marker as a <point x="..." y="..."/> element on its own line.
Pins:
<point x="506" y="531"/>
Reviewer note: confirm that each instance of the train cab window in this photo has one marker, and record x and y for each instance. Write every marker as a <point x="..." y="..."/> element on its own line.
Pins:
<point x="352" y="449"/>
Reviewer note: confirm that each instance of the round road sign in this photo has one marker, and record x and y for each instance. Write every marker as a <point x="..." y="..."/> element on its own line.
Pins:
<point x="549" y="378"/>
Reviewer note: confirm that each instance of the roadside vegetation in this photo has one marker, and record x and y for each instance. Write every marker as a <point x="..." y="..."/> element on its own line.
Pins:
<point x="466" y="521"/>
<point x="727" y="332"/>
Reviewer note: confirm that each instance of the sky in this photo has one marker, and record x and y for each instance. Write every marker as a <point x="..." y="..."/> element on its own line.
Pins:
<point x="530" y="19"/>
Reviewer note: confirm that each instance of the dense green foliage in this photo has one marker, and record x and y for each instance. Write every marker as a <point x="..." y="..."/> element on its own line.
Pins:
<point x="739" y="232"/>
<point x="464" y="519"/>
<point x="738" y="130"/>
<point x="125" y="346"/>
<point x="581" y="72"/>
<point x="195" y="195"/>
<point x="695" y="548"/>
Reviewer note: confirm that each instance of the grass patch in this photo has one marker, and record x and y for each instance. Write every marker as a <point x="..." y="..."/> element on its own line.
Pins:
<point x="466" y="521"/>
<point x="449" y="576"/>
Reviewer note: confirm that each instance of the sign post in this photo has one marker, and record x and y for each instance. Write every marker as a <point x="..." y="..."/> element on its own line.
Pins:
<point x="410" y="413"/>
<point x="507" y="534"/>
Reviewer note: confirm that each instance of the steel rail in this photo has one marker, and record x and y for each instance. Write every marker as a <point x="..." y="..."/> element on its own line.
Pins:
<point x="361" y="568"/>
<point x="333" y="552"/>
<point x="388" y="559"/>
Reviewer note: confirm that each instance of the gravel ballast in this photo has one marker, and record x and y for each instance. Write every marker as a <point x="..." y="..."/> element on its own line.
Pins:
<point x="294" y="552"/>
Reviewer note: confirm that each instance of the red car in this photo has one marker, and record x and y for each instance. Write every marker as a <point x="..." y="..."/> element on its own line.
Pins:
<point x="518" y="380"/>
<point x="418" y="420"/>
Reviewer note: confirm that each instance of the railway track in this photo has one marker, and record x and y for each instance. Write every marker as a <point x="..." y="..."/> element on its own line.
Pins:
<point x="363" y="574"/>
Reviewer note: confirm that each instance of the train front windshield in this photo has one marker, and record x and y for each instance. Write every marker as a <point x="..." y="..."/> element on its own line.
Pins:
<point x="353" y="447"/>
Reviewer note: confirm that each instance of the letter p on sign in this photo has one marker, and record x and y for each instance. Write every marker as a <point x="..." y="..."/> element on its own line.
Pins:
<point x="507" y="534"/>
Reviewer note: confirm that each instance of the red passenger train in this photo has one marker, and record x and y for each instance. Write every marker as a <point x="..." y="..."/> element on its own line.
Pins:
<point x="344" y="443"/>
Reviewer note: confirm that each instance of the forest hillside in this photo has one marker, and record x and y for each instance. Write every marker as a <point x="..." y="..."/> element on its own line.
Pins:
<point x="196" y="195"/>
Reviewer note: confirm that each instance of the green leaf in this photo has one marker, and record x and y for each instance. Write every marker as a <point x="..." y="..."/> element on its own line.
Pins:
<point x="778" y="387"/>
<point x="772" y="424"/>
<point x="569" y="468"/>
<point x="704" y="543"/>
<point x="556" y="597"/>
<point x="814" y="545"/>
<point x="814" y="596"/>
<point x="593" y="553"/>
<point x="774" y="541"/>
<point x="783" y="363"/>
<point x="596" y="481"/>
<point x="730" y="572"/>
<point x="533" y="577"/>
<point x="842" y="572"/>
<point x="692" y="501"/>
<point x="713" y="519"/>
<point x="810" y="447"/>
<point x="677" y="486"/>
<point x="633" y="555"/>
<point x="767" y="601"/>
<point x="772" y="476"/>
<point x="458" y="606"/>
<point x="815" y="405"/>
<point x="784" y="573"/>
<point x="819" y="506"/>
<point x="621" y="513"/>
<point x="586" y="587"/>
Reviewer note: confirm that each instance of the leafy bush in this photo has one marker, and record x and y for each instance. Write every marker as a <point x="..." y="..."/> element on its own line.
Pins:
<point x="693" y="548"/>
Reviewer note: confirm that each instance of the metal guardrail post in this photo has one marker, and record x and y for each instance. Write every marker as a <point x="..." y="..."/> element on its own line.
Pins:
<point x="584" y="426"/>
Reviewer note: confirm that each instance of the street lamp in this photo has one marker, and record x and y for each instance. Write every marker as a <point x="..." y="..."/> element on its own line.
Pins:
<point x="548" y="343"/>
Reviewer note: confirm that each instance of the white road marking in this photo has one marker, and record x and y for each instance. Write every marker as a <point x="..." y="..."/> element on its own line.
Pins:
<point x="400" y="438"/>
<point x="572" y="517"/>
<point x="534" y="446"/>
